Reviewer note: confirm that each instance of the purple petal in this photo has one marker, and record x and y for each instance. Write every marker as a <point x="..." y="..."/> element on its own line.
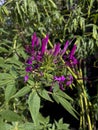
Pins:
<point x="39" y="58"/>
<point x="61" y="78"/>
<point x="37" y="42"/>
<point x="70" y="80"/>
<point x="70" y="77"/>
<point x="65" y="47"/>
<point x="68" y="83"/>
<point x="28" y="68"/>
<point x="34" y="38"/>
<point x="44" y="44"/>
<point x="26" y="78"/>
<point x="32" y="58"/>
<point x="72" y="51"/>
<point x="61" y="87"/>
<point x="74" y="60"/>
<point x="29" y="61"/>
<point x="56" y="49"/>
<point x="56" y="78"/>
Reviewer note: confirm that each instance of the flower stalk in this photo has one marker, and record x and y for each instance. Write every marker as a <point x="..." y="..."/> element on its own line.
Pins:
<point x="45" y="62"/>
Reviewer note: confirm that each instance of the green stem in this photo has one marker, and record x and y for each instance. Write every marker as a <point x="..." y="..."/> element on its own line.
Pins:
<point x="80" y="83"/>
<point x="87" y="108"/>
<point x="86" y="102"/>
<point x="82" y="112"/>
<point x="82" y="117"/>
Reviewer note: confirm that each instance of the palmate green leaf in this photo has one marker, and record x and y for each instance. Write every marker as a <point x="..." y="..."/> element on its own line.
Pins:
<point x="34" y="106"/>
<point x="5" y="10"/>
<point x="14" y="60"/>
<point x="10" y="115"/>
<point x="2" y="49"/>
<point x="95" y="33"/>
<point x="82" y="23"/>
<point x="53" y="4"/>
<point x="90" y="6"/>
<point x="43" y="120"/>
<point x="22" y="52"/>
<point x="55" y="90"/>
<point x="64" y="95"/>
<point x="55" y="97"/>
<point x="29" y="126"/>
<point x="9" y="91"/>
<point x="5" y="126"/>
<point x="2" y="126"/>
<point x="67" y="105"/>
<point x="5" y="82"/>
<point x="1" y="61"/>
<point x="18" y="9"/>
<point x="22" y="92"/>
<point x="25" y="6"/>
<point x="7" y="43"/>
<point x="32" y="8"/>
<point x="4" y="76"/>
<point x="45" y="94"/>
<point x="61" y="126"/>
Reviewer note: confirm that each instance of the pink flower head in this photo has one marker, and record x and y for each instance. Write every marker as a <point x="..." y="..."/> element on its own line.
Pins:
<point x="56" y="49"/>
<point x="61" y="78"/>
<point x="72" y="51"/>
<point x="65" y="47"/>
<point x="44" y="44"/>
<point x="34" y="38"/>
<point x="73" y="60"/>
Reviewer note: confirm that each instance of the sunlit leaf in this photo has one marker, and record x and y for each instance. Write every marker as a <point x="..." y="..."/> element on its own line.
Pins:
<point x="22" y="92"/>
<point x="34" y="106"/>
<point x="10" y="115"/>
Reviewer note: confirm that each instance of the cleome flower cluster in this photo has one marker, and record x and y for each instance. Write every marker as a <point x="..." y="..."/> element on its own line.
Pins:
<point x="49" y="64"/>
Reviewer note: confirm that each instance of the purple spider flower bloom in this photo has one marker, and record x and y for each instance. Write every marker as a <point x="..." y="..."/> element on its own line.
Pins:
<point x="28" y="68"/>
<point x="44" y="44"/>
<point x="56" y="49"/>
<point x="71" y="55"/>
<point x="70" y="80"/>
<point x="57" y="78"/>
<point x="34" y="38"/>
<point x="26" y="78"/>
<point x="74" y="60"/>
<point x="70" y="60"/>
<point x="72" y="51"/>
<point x="61" y="78"/>
<point x="65" y="47"/>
